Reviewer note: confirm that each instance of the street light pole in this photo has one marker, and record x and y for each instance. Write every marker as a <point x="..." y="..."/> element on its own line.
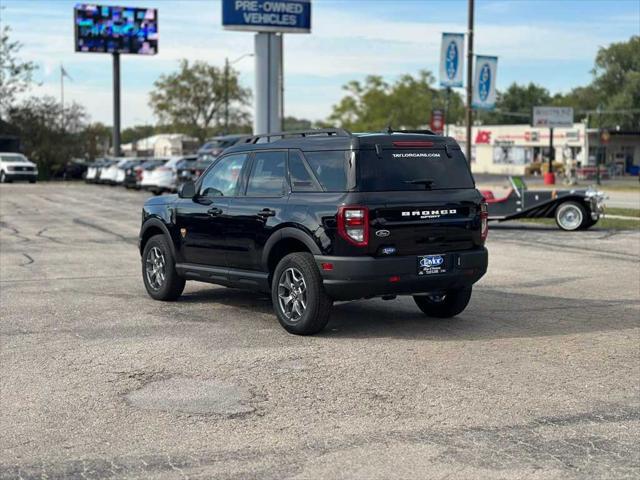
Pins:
<point x="469" y="80"/>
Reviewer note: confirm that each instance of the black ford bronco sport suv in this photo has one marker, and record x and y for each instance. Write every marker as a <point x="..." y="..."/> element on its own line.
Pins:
<point x="313" y="217"/>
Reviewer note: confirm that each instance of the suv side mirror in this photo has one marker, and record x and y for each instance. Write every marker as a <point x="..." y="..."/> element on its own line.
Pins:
<point x="187" y="190"/>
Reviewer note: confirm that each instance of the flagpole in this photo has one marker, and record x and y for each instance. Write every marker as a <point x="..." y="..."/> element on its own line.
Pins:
<point x="62" y="92"/>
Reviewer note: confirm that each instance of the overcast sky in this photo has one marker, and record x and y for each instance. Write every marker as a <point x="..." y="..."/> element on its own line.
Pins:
<point x="552" y="43"/>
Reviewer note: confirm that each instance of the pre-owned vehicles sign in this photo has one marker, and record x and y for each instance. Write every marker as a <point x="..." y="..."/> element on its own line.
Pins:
<point x="291" y="16"/>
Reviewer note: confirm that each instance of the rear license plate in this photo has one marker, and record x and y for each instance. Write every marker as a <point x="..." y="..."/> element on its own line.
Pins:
<point x="431" y="264"/>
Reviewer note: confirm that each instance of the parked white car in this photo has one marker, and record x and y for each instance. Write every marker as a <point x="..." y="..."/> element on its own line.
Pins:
<point x="15" y="166"/>
<point x="109" y="174"/>
<point x="165" y="177"/>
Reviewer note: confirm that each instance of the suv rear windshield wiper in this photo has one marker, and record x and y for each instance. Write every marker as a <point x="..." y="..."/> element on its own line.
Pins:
<point x="427" y="182"/>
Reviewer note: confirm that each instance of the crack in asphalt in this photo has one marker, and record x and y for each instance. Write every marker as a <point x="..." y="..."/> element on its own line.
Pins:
<point x="521" y="446"/>
<point x="29" y="261"/>
<point x="14" y="231"/>
<point x="100" y="228"/>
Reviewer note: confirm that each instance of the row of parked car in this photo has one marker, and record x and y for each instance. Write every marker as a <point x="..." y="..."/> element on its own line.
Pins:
<point x="158" y="175"/>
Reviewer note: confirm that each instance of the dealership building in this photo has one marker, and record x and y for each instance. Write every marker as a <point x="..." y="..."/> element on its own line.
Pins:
<point x="513" y="149"/>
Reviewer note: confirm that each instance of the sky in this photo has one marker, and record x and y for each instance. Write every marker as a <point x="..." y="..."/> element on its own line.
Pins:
<point x="552" y="43"/>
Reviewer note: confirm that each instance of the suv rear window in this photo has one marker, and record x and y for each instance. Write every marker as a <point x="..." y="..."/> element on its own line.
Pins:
<point x="413" y="169"/>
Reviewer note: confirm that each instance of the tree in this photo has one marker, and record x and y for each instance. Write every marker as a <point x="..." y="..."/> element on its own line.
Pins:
<point x="15" y="75"/>
<point x="617" y="82"/>
<point x="45" y="139"/>
<point x="407" y="103"/>
<point x="137" y="132"/>
<point x="192" y="99"/>
<point x="515" y="105"/>
<point x="293" y="123"/>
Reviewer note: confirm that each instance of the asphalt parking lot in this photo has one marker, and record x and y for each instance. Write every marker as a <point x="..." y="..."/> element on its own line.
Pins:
<point x="538" y="378"/>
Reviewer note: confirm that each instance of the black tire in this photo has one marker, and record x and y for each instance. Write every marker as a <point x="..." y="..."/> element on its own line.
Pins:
<point x="171" y="287"/>
<point x="32" y="181"/>
<point x="588" y="223"/>
<point x="576" y="212"/>
<point x="315" y="315"/>
<point x="448" y="305"/>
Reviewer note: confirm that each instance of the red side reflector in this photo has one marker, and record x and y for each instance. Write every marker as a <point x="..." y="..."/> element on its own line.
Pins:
<point x="414" y="144"/>
<point x="394" y="279"/>
<point x="327" y="266"/>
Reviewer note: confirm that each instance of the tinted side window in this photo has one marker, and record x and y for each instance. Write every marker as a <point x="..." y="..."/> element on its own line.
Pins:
<point x="267" y="174"/>
<point x="222" y="179"/>
<point x="330" y="168"/>
<point x="301" y="179"/>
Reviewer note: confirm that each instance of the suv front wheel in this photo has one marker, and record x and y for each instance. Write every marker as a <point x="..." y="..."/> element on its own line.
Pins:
<point x="299" y="300"/>
<point x="445" y="305"/>
<point x="159" y="270"/>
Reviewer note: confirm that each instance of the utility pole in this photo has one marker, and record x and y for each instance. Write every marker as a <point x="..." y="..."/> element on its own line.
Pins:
<point x="62" y="94"/>
<point x="446" y="112"/>
<point x="469" y="80"/>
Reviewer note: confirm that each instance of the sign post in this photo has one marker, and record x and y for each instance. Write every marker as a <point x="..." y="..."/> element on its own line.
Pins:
<point x="270" y="19"/>
<point x="552" y="117"/>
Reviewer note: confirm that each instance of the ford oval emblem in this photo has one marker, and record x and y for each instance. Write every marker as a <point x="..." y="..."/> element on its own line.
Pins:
<point x="382" y="233"/>
<point x="484" y="85"/>
<point x="451" y="60"/>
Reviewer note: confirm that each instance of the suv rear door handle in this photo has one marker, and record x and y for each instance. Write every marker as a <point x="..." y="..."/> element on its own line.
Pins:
<point x="266" y="212"/>
<point x="215" y="211"/>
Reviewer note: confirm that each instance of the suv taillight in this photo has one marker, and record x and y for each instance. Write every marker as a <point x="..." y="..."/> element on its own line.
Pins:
<point x="353" y="225"/>
<point x="484" y="221"/>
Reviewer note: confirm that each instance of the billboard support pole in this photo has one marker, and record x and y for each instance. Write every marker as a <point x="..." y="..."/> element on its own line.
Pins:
<point x="116" y="104"/>
<point x="268" y="90"/>
<point x="469" y="81"/>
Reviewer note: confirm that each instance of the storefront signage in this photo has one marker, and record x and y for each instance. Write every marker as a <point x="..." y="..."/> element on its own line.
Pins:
<point x="552" y="117"/>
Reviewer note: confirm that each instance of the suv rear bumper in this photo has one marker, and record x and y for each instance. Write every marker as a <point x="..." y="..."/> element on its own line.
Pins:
<point x="361" y="277"/>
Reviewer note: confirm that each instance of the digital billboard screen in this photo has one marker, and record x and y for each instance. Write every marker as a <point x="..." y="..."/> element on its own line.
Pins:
<point x="109" y="29"/>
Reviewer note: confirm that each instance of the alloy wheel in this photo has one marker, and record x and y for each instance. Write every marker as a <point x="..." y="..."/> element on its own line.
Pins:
<point x="155" y="268"/>
<point x="292" y="294"/>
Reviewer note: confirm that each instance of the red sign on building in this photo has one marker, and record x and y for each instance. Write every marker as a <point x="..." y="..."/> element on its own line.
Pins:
<point x="483" y="136"/>
<point x="437" y="122"/>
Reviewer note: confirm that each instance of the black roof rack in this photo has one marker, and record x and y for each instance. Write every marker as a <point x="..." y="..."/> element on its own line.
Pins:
<point x="330" y="132"/>
<point x="421" y="132"/>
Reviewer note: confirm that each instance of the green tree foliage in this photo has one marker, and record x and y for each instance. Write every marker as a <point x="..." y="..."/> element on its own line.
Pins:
<point x="15" y="75"/>
<point x="293" y="123"/>
<point x="617" y="82"/>
<point x="192" y="99"/>
<point x="406" y="103"/>
<point x="516" y="104"/>
<point x="137" y="132"/>
<point x="47" y="139"/>
<point x="96" y="140"/>
<point x="615" y="89"/>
